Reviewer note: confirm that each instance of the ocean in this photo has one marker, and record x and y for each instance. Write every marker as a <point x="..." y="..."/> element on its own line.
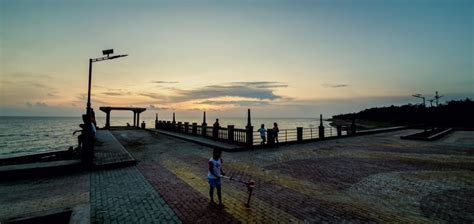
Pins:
<point x="40" y="134"/>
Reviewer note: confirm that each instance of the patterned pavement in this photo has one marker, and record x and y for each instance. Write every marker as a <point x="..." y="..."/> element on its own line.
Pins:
<point x="365" y="179"/>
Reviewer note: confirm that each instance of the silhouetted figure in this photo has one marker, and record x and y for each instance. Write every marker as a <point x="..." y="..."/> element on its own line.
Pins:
<point x="275" y="132"/>
<point x="80" y="136"/>
<point x="128" y="124"/>
<point x="215" y="129"/>
<point x="88" y="137"/>
<point x="143" y="124"/>
<point x="262" y="132"/>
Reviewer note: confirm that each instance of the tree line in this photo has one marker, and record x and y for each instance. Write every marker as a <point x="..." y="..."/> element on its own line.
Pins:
<point x="455" y="113"/>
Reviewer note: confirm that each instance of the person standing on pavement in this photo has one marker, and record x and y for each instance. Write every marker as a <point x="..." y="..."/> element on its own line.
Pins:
<point x="214" y="175"/>
<point x="262" y="132"/>
<point x="275" y="132"/>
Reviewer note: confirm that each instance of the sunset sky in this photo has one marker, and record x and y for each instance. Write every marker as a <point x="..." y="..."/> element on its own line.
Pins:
<point x="281" y="58"/>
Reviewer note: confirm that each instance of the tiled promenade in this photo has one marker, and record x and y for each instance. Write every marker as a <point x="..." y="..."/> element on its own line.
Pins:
<point x="124" y="196"/>
<point x="367" y="179"/>
<point x="375" y="178"/>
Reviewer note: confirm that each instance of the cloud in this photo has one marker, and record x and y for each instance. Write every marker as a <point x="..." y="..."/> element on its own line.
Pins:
<point x="251" y="90"/>
<point x="39" y="85"/>
<point x="153" y="95"/>
<point x="262" y="84"/>
<point x="334" y="85"/>
<point x="37" y="104"/>
<point x="243" y="103"/>
<point x="29" y="75"/>
<point x="116" y="93"/>
<point x="54" y="93"/>
<point x="153" y="107"/>
<point x="164" y="82"/>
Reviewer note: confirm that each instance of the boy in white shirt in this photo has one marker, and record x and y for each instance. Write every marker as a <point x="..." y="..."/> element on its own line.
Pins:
<point x="214" y="176"/>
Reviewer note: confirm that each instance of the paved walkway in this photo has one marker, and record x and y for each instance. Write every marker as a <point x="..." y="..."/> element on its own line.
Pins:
<point x="124" y="196"/>
<point x="108" y="152"/>
<point x="373" y="178"/>
<point x="364" y="179"/>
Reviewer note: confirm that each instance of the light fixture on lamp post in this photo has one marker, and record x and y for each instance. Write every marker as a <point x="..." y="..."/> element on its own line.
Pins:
<point x="107" y="52"/>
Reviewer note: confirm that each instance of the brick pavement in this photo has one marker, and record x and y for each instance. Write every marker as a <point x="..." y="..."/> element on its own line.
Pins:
<point x="22" y="197"/>
<point x="374" y="178"/>
<point x="124" y="196"/>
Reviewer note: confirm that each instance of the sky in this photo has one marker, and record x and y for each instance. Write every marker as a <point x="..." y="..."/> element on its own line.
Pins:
<point x="290" y="58"/>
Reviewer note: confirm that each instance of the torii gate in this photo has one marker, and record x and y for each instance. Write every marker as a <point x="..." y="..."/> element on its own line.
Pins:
<point x="136" y="114"/>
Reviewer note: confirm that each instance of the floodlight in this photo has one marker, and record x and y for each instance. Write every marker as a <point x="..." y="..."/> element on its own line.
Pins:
<point x="108" y="51"/>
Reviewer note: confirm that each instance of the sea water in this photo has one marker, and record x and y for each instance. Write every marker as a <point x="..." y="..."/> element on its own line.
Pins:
<point x="39" y="134"/>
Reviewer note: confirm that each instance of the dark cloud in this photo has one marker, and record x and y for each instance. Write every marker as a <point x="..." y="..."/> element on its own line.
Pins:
<point x="152" y="95"/>
<point x="262" y="84"/>
<point x="116" y="93"/>
<point x="37" y="104"/>
<point x="334" y="85"/>
<point x="251" y="90"/>
<point x="164" y="82"/>
<point x="243" y="103"/>
<point x="153" y="107"/>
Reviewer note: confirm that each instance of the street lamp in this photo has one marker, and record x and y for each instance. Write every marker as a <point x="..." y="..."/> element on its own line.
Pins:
<point x="420" y="96"/>
<point x="107" y="52"/>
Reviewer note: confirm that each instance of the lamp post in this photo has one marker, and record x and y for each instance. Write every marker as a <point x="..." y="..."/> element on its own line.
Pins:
<point x="420" y="96"/>
<point x="92" y="60"/>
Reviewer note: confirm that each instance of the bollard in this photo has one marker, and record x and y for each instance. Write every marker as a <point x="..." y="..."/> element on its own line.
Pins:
<point x="143" y="125"/>
<point x="339" y="130"/>
<point x="179" y="127"/>
<point x="299" y="134"/>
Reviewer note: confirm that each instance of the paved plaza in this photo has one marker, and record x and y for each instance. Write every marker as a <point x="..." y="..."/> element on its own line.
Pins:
<point x="366" y="179"/>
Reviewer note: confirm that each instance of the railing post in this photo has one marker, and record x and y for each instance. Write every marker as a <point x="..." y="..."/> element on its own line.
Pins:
<point x="230" y="133"/>
<point x="249" y="130"/>
<point x="107" y="120"/>
<point x="270" y="137"/>
<point x="173" y="124"/>
<point x="194" y="129"/>
<point x="168" y="125"/>
<point x="339" y="130"/>
<point x="180" y="126"/>
<point x="186" y="127"/>
<point x="321" y="127"/>
<point x="299" y="134"/>
<point x="204" y="125"/>
<point x="249" y="135"/>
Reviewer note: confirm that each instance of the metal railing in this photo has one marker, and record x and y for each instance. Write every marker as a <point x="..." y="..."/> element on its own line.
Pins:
<point x="239" y="136"/>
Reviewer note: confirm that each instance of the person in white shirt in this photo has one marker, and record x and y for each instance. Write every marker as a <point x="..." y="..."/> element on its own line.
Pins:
<point x="214" y="176"/>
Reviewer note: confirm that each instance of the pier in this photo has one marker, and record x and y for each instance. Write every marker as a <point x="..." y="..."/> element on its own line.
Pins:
<point x="249" y="137"/>
<point x="158" y="178"/>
